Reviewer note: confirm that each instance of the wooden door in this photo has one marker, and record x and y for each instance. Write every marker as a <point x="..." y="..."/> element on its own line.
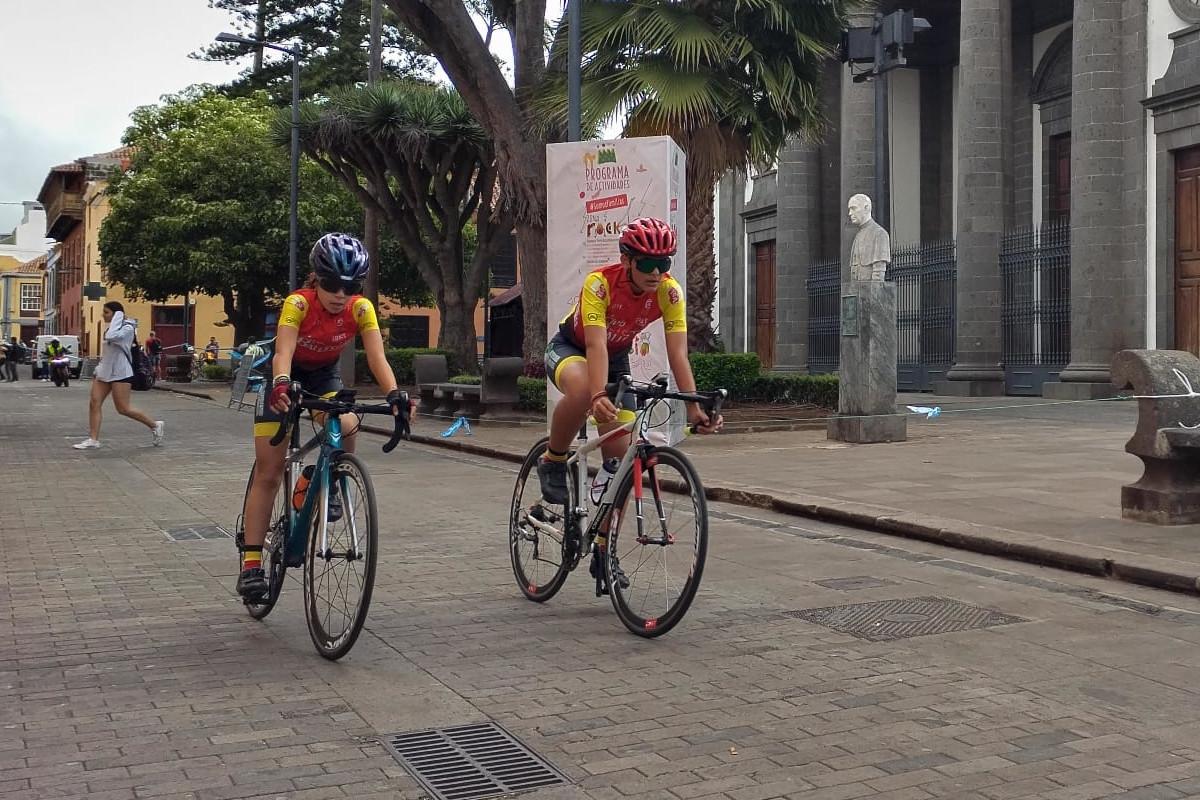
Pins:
<point x="764" y="302"/>
<point x="1060" y="177"/>
<point x="1187" y="250"/>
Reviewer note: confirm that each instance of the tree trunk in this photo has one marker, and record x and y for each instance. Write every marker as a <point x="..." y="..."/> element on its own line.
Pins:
<point x="531" y="244"/>
<point x="247" y="312"/>
<point x="457" y="332"/>
<point x="702" y="263"/>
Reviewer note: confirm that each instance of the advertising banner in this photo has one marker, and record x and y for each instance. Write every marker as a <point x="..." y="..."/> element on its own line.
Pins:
<point x="592" y="190"/>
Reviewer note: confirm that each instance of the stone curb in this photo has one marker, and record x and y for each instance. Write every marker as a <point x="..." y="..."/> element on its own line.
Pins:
<point x="1117" y="567"/>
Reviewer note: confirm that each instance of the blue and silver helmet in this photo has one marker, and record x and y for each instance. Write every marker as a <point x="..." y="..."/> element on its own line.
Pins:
<point x="340" y="256"/>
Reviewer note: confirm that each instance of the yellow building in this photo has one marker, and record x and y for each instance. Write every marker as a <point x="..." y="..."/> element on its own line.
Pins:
<point x="76" y="205"/>
<point x="22" y="271"/>
<point x="22" y="287"/>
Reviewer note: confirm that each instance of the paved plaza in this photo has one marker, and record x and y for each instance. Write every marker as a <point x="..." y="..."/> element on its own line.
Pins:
<point x="129" y="669"/>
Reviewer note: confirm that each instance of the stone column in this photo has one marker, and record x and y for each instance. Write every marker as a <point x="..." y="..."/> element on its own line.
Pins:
<point x="797" y="232"/>
<point x="867" y="375"/>
<point x="982" y="132"/>
<point x="1099" y="217"/>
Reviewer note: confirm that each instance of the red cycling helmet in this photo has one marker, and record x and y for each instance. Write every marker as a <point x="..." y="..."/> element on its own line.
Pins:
<point x="648" y="237"/>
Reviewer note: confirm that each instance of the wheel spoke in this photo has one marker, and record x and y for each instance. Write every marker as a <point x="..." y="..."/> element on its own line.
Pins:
<point x="339" y="572"/>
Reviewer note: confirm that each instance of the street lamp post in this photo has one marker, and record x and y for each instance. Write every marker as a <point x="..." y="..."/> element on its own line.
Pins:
<point x="294" y="221"/>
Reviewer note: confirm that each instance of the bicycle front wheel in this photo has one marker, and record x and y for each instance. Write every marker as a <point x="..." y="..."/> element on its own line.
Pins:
<point x="653" y="563"/>
<point x="535" y="534"/>
<point x="339" y="572"/>
<point x="273" y="544"/>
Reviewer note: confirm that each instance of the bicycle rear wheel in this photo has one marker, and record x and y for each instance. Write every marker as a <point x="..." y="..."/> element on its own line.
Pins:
<point x="535" y="534"/>
<point x="653" y="571"/>
<point x="273" y="544"/>
<point x="338" y="579"/>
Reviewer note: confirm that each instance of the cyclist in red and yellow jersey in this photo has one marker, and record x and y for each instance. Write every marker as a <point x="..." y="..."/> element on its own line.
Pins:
<point x="592" y="345"/>
<point x="316" y="324"/>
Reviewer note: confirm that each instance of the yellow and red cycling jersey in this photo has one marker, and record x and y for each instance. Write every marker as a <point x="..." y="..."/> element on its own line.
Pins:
<point x="323" y="336"/>
<point x="607" y="301"/>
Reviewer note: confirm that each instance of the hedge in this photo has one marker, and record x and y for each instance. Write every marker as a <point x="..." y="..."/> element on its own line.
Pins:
<point x="401" y="360"/>
<point x="794" y="387"/>
<point x="532" y="393"/>
<point x="732" y="371"/>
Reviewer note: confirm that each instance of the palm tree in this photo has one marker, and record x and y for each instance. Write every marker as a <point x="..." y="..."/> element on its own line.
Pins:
<point x="729" y="80"/>
<point x="416" y="155"/>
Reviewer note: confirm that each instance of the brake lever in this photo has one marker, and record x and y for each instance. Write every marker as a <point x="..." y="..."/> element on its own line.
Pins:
<point x="713" y="409"/>
<point x="293" y="414"/>
<point x="401" y="430"/>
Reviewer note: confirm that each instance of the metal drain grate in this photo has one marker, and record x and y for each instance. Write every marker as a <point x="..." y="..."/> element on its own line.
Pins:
<point x="187" y="533"/>
<point x="470" y="762"/>
<point x="855" y="583"/>
<point x="899" y="619"/>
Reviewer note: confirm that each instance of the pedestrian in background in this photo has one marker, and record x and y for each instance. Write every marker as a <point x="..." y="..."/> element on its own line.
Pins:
<point x="16" y="354"/>
<point x="154" y="347"/>
<point x="114" y="375"/>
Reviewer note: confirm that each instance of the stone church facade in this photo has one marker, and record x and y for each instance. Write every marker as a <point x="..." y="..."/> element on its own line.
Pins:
<point x="1044" y="200"/>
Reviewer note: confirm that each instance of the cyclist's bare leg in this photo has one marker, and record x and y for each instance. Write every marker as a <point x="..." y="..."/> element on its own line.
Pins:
<point x="268" y="474"/>
<point x="572" y="411"/>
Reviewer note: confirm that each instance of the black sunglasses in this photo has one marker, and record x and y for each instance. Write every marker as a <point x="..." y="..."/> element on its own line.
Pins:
<point x="648" y="264"/>
<point x="335" y="285"/>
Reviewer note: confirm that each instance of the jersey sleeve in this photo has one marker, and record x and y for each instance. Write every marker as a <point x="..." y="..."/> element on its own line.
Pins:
<point x="295" y="308"/>
<point x="364" y="315"/>
<point x="594" y="300"/>
<point x="672" y="305"/>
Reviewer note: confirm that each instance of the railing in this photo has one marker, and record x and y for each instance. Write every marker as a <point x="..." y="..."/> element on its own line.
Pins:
<point x="1035" y="314"/>
<point x="824" y="308"/>
<point x="63" y="208"/>
<point x="925" y="275"/>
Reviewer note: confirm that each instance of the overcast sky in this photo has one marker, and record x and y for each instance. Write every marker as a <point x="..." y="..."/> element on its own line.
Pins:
<point x="71" y="71"/>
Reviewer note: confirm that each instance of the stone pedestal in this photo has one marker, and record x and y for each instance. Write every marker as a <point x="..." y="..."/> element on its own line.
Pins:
<point x="867" y="376"/>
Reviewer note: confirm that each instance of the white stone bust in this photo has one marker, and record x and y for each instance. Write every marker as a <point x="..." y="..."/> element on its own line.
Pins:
<point x="872" y="248"/>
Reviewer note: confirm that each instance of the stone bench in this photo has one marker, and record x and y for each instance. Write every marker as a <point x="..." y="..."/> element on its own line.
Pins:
<point x="497" y="393"/>
<point x="1166" y="439"/>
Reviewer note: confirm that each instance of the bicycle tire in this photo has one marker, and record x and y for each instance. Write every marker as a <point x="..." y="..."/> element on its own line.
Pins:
<point x="633" y="567"/>
<point x="272" y="550"/>
<point x="525" y="540"/>
<point x="332" y="633"/>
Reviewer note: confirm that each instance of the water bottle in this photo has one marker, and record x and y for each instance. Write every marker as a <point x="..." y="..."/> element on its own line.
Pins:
<point x="301" y="487"/>
<point x="607" y="470"/>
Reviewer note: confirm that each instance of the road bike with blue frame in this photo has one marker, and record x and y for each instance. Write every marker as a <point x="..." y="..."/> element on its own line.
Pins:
<point x="338" y="549"/>
<point x="648" y="534"/>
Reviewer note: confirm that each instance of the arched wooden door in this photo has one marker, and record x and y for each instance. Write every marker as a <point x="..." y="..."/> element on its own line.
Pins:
<point x="1187" y="250"/>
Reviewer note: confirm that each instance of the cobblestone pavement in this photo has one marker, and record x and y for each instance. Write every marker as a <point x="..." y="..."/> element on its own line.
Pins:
<point x="129" y="670"/>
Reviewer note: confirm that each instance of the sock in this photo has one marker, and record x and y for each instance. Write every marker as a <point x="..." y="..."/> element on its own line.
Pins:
<point x="251" y="556"/>
<point x="553" y="455"/>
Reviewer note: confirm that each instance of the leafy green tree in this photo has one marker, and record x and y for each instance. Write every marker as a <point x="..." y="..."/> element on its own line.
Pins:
<point x="204" y="209"/>
<point x="448" y="29"/>
<point x="730" y="80"/>
<point x="414" y="154"/>
<point x="333" y="38"/>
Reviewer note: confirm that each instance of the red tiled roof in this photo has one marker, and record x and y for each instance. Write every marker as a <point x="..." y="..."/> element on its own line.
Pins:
<point x="70" y="166"/>
<point x="120" y="152"/>
<point x="36" y="265"/>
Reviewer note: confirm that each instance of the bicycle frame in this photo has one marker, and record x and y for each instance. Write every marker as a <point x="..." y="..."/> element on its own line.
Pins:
<point x="577" y="467"/>
<point x="327" y="442"/>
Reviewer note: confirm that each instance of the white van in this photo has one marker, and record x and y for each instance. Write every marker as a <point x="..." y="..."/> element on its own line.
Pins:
<point x="40" y="362"/>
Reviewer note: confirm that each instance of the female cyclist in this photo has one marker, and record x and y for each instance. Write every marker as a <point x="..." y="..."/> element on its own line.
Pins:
<point x="316" y="324"/>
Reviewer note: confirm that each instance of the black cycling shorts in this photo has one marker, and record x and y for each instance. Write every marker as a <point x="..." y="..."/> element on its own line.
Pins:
<point x="561" y="351"/>
<point x="324" y="381"/>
